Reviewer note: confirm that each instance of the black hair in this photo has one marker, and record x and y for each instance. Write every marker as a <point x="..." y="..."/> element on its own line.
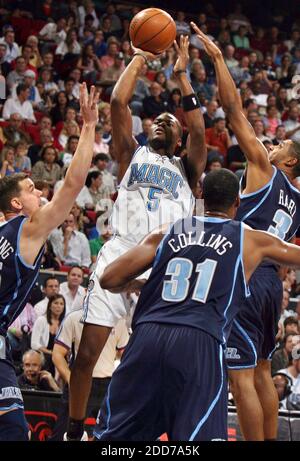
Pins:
<point x="75" y="267"/>
<point x="21" y="87"/>
<point x="290" y="321"/>
<point x="220" y="190"/>
<point x="92" y="175"/>
<point x="10" y="188"/>
<point x="287" y="336"/>
<point x="51" y="277"/>
<point x="101" y="156"/>
<point x="48" y="312"/>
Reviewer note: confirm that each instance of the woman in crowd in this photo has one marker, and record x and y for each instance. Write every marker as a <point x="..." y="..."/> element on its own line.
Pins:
<point x="46" y="328"/>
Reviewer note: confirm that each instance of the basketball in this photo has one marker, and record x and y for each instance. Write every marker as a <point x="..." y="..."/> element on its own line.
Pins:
<point x="152" y="30"/>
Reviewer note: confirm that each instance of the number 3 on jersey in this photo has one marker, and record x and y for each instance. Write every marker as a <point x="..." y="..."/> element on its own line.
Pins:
<point x="154" y="196"/>
<point x="283" y="223"/>
<point x="180" y="269"/>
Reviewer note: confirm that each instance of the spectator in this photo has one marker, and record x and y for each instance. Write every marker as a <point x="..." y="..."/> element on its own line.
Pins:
<point x="34" y="95"/>
<point x="58" y="112"/>
<point x="291" y="325"/>
<point x="46" y="328"/>
<point x="23" y="162"/>
<point x="47" y="169"/>
<point x="99" y="145"/>
<point x="5" y="67"/>
<point x="105" y="234"/>
<point x="99" y="44"/>
<point x="34" y="377"/>
<point x="109" y="58"/>
<point x="200" y="84"/>
<point x="114" y="19"/>
<point x="89" y="64"/>
<point x="19" y="332"/>
<point x="217" y="138"/>
<point x="20" y="104"/>
<point x="12" y="48"/>
<point x="70" y="128"/>
<point x="285" y="311"/>
<point x="53" y="33"/>
<point x="49" y="260"/>
<point x="292" y="125"/>
<point x="285" y="72"/>
<point x="271" y="121"/>
<point x="96" y="188"/>
<point x="70" y="245"/>
<point x="283" y="356"/>
<point x="70" y="47"/>
<point x="68" y="340"/>
<point x="71" y="100"/>
<point x="231" y="62"/>
<point x="15" y="77"/>
<point x="8" y="161"/>
<point x="260" y="131"/>
<point x="46" y="78"/>
<point x="280" y="135"/>
<point x="71" y="147"/>
<point x="50" y="288"/>
<point x="142" y="138"/>
<point x="13" y="132"/>
<point x="155" y="104"/>
<point x="241" y="40"/>
<point x="182" y="27"/>
<point x="241" y="72"/>
<point x="101" y="163"/>
<point x="111" y="74"/>
<point x="293" y="372"/>
<point x="72" y="290"/>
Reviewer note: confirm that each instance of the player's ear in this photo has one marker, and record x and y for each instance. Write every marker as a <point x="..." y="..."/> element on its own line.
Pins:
<point x="16" y="204"/>
<point x="291" y="162"/>
<point x="237" y="201"/>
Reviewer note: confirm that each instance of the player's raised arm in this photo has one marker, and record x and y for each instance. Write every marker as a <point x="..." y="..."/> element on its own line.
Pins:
<point x="260" y="245"/>
<point x="197" y="152"/>
<point x="124" y="142"/>
<point x="47" y="218"/>
<point x="254" y="150"/>
<point x="118" y="275"/>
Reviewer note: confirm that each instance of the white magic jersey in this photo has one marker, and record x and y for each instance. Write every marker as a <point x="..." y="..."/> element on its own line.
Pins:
<point x="153" y="191"/>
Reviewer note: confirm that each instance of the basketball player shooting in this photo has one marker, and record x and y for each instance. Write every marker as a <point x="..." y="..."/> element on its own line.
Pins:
<point x="155" y="188"/>
<point x="271" y="203"/>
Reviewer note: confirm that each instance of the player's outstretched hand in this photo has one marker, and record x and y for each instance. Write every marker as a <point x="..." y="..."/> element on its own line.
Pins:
<point x="89" y="104"/>
<point x="182" y="54"/>
<point x="135" y="286"/>
<point x="148" y="56"/>
<point x="210" y="47"/>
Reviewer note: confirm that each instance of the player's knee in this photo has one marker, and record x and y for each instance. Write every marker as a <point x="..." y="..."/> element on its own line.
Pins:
<point x="241" y="384"/>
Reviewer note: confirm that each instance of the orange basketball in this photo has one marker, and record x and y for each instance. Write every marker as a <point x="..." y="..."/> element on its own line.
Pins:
<point x="152" y="30"/>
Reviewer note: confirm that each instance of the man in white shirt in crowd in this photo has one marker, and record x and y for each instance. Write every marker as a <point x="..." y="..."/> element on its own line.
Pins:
<point x="12" y="48"/>
<point x="292" y="125"/>
<point x="100" y="164"/>
<point x="72" y="290"/>
<point x="69" y="335"/>
<point x="29" y="80"/>
<point x="54" y="32"/>
<point x="293" y="371"/>
<point x="70" y="245"/>
<point x="50" y="288"/>
<point x="19" y="105"/>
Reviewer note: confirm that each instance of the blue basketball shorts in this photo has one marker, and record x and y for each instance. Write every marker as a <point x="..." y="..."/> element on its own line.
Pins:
<point x="172" y="379"/>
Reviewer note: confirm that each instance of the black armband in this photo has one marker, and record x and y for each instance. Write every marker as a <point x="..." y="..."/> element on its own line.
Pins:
<point x="75" y="429"/>
<point x="190" y="102"/>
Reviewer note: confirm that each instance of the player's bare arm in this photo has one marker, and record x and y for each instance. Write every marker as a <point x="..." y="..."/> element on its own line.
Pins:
<point x="124" y="142"/>
<point x="47" y="218"/>
<point x="260" y="245"/>
<point x="197" y="152"/>
<point x="259" y="168"/>
<point x="118" y="275"/>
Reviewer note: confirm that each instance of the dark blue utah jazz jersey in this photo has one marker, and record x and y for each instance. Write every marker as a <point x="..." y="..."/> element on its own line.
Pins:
<point x="16" y="277"/>
<point x="274" y="208"/>
<point x="197" y="277"/>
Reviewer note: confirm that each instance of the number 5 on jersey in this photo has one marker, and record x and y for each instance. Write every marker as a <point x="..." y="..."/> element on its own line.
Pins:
<point x="154" y="196"/>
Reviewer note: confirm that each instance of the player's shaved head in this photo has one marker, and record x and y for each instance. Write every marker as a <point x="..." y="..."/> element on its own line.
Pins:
<point x="220" y="190"/>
